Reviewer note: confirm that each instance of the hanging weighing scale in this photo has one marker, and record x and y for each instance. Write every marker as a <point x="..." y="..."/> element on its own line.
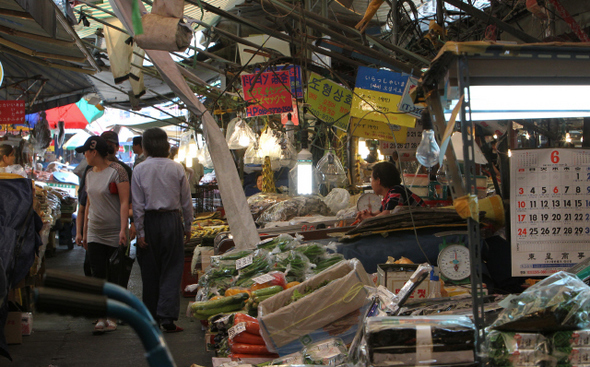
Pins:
<point x="453" y="259"/>
<point x="369" y="201"/>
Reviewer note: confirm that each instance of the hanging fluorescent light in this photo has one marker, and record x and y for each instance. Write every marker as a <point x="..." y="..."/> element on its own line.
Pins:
<point x="514" y="102"/>
<point x="304" y="172"/>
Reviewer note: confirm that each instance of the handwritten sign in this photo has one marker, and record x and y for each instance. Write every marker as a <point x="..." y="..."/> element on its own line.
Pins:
<point x="12" y="112"/>
<point x="370" y="129"/>
<point x="294" y="77"/>
<point x="328" y="101"/>
<point x="377" y="95"/>
<point x="267" y="93"/>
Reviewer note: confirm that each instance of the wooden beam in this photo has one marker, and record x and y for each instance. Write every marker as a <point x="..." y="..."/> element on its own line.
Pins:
<point x="16" y="14"/>
<point x="28" y="51"/>
<point x="35" y="37"/>
<point x="46" y="63"/>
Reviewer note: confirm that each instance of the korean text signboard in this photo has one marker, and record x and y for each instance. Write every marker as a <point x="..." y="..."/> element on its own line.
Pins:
<point x="267" y="93"/>
<point x="549" y="210"/>
<point x="294" y="77"/>
<point x="377" y="94"/>
<point x="12" y="112"/>
<point x="328" y="101"/>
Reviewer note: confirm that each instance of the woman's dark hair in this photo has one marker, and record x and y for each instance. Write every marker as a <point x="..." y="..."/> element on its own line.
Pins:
<point x="387" y="173"/>
<point x="155" y="143"/>
<point x="5" y="150"/>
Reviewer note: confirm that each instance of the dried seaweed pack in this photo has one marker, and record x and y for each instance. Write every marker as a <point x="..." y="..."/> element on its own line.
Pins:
<point x="437" y="340"/>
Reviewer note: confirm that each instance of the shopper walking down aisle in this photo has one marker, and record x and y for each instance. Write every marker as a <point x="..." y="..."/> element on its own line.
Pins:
<point x="107" y="208"/>
<point x="160" y="192"/>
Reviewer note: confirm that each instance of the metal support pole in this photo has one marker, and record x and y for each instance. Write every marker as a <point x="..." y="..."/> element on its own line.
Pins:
<point x="450" y="164"/>
<point x="468" y="131"/>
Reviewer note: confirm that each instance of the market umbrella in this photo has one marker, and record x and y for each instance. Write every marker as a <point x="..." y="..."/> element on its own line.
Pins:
<point x="75" y="115"/>
<point x="77" y="140"/>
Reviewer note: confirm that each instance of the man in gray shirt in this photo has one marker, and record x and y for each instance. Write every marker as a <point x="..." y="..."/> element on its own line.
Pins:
<point x="160" y="192"/>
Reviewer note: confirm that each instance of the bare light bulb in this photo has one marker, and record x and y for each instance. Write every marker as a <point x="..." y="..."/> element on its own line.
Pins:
<point x="428" y="150"/>
<point x="244" y="141"/>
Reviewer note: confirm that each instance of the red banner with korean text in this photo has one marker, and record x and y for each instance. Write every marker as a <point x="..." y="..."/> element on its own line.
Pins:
<point x="267" y="93"/>
<point x="12" y="112"/>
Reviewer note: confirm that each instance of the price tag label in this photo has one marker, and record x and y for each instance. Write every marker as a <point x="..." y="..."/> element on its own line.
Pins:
<point x="236" y="329"/>
<point x="263" y="279"/>
<point x="244" y="261"/>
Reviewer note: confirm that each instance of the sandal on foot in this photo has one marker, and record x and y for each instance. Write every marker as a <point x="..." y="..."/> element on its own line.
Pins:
<point x="99" y="327"/>
<point x="110" y="326"/>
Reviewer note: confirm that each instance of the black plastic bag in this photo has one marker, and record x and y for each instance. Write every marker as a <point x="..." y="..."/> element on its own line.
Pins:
<point x="120" y="265"/>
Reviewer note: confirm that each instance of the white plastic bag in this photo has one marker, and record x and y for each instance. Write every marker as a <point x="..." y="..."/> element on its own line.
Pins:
<point x="337" y="200"/>
<point x="239" y="134"/>
<point x="205" y="158"/>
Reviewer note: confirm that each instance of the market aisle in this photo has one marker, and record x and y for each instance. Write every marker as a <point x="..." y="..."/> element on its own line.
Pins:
<point x="65" y="341"/>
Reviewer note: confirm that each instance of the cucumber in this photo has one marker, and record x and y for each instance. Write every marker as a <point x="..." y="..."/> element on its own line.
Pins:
<point x="262" y="298"/>
<point x="267" y="291"/>
<point x="219" y="303"/>
<point x="205" y="314"/>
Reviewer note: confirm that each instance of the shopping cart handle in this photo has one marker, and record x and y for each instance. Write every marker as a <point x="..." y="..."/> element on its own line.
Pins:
<point x="71" y="282"/>
<point x="70" y="303"/>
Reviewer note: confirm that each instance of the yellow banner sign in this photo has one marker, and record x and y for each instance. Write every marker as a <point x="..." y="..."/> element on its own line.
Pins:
<point x="370" y="129"/>
<point x="379" y="106"/>
<point x="328" y="101"/>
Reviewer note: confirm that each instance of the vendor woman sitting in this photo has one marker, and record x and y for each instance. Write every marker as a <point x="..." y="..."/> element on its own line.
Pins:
<point x="386" y="181"/>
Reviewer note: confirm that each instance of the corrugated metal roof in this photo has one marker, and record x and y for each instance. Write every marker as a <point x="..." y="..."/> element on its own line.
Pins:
<point x="45" y="63"/>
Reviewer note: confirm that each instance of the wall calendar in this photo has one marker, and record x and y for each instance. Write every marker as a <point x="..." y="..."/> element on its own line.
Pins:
<point x="549" y="210"/>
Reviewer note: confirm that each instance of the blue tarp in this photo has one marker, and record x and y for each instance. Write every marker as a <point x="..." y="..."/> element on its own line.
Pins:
<point x="19" y="240"/>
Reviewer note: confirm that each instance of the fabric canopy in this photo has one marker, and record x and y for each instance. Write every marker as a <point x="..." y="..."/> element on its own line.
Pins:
<point x="75" y="115"/>
<point x="77" y="140"/>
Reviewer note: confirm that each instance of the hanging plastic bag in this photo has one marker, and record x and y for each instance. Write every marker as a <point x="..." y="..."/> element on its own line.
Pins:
<point x="288" y="156"/>
<point x="331" y="171"/>
<point x="254" y="154"/>
<point x="205" y="158"/>
<point x="239" y="134"/>
<point x="270" y="145"/>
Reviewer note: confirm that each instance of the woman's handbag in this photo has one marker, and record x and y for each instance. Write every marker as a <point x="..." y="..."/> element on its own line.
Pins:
<point x="120" y="265"/>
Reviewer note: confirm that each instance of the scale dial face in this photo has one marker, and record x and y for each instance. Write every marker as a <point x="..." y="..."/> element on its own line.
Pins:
<point x="453" y="262"/>
<point x="369" y="201"/>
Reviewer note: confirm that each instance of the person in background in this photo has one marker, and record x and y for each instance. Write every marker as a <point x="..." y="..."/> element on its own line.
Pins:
<point x="138" y="150"/>
<point x="160" y="227"/>
<point x="106" y="212"/>
<point x="386" y="181"/>
<point x="173" y="152"/>
<point x="7" y="156"/>
<point x="112" y="140"/>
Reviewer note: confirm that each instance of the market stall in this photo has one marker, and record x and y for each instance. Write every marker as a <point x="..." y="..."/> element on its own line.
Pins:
<point x="447" y="264"/>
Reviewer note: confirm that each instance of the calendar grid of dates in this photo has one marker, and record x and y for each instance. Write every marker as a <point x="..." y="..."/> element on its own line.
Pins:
<point x="549" y="210"/>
